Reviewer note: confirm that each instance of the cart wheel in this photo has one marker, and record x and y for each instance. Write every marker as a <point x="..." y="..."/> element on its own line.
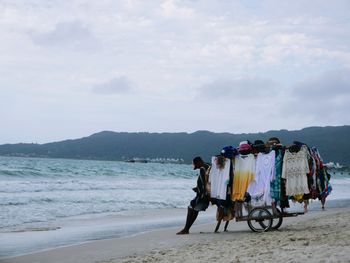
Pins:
<point x="277" y="222"/>
<point x="259" y="219"/>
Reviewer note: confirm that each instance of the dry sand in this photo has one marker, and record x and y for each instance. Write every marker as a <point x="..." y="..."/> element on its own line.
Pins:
<point x="319" y="239"/>
<point x="319" y="236"/>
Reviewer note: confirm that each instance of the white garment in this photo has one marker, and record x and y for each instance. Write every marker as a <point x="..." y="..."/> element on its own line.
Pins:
<point x="259" y="188"/>
<point x="294" y="170"/>
<point x="219" y="179"/>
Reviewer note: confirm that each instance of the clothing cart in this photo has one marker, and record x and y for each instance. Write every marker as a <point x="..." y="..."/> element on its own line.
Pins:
<point x="265" y="218"/>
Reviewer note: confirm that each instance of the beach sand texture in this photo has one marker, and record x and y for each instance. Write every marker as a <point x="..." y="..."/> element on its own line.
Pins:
<point x="323" y="239"/>
<point x="318" y="236"/>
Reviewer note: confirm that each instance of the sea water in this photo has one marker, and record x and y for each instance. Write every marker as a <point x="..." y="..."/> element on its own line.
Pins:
<point x="56" y="202"/>
<point x="41" y="190"/>
<point x="46" y="203"/>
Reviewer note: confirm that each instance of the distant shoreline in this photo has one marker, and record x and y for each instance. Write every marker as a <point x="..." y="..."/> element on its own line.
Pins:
<point x="119" y="146"/>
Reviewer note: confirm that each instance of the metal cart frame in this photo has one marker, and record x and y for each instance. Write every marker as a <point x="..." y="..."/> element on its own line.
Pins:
<point x="265" y="218"/>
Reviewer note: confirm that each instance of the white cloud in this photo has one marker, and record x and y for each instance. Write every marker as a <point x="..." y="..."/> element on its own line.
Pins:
<point x="118" y="85"/>
<point x="329" y="85"/>
<point x="174" y="9"/>
<point x="246" y="89"/>
<point x="67" y="34"/>
<point x="321" y="98"/>
<point x="157" y="56"/>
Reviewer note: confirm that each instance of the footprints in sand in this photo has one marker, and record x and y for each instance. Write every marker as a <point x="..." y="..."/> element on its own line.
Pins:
<point x="324" y="239"/>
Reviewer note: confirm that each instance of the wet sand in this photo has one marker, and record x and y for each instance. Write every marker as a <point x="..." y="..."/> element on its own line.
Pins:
<point x="318" y="236"/>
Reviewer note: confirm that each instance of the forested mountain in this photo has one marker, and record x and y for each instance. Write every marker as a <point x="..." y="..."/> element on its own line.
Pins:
<point x="332" y="142"/>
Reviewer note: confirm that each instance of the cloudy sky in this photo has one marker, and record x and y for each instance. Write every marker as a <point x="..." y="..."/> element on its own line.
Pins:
<point x="72" y="68"/>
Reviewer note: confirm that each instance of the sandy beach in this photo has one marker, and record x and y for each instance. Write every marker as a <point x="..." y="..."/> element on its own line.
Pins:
<point x="318" y="236"/>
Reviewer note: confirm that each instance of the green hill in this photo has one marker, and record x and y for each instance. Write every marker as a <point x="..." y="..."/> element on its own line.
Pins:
<point x="332" y="142"/>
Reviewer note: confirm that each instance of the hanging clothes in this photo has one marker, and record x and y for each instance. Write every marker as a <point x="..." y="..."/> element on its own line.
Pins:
<point x="219" y="177"/>
<point x="314" y="168"/>
<point x="294" y="170"/>
<point x="259" y="188"/>
<point x="275" y="185"/>
<point x="323" y="185"/>
<point x="244" y="174"/>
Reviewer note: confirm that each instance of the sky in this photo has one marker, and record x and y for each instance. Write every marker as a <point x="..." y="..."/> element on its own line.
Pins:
<point x="69" y="69"/>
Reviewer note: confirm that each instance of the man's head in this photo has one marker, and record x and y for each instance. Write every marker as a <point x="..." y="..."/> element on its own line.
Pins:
<point x="197" y="162"/>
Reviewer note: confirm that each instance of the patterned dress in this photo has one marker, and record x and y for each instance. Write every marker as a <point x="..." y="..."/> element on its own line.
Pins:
<point x="276" y="182"/>
<point x="294" y="170"/>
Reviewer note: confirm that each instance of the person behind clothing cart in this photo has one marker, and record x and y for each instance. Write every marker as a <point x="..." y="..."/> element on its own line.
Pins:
<point x="201" y="200"/>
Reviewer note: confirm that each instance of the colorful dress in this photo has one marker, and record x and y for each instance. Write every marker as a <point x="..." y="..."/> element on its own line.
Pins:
<point x="244" y="174"/>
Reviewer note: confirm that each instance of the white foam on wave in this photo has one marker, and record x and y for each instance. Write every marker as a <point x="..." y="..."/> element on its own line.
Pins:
<point x="80" y="229"/>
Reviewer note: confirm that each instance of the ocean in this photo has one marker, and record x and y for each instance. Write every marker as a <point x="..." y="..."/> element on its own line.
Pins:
<point x="46" y="203"/>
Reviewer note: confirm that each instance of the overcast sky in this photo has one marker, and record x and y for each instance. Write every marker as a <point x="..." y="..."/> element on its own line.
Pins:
<point x="72" y="68"/>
